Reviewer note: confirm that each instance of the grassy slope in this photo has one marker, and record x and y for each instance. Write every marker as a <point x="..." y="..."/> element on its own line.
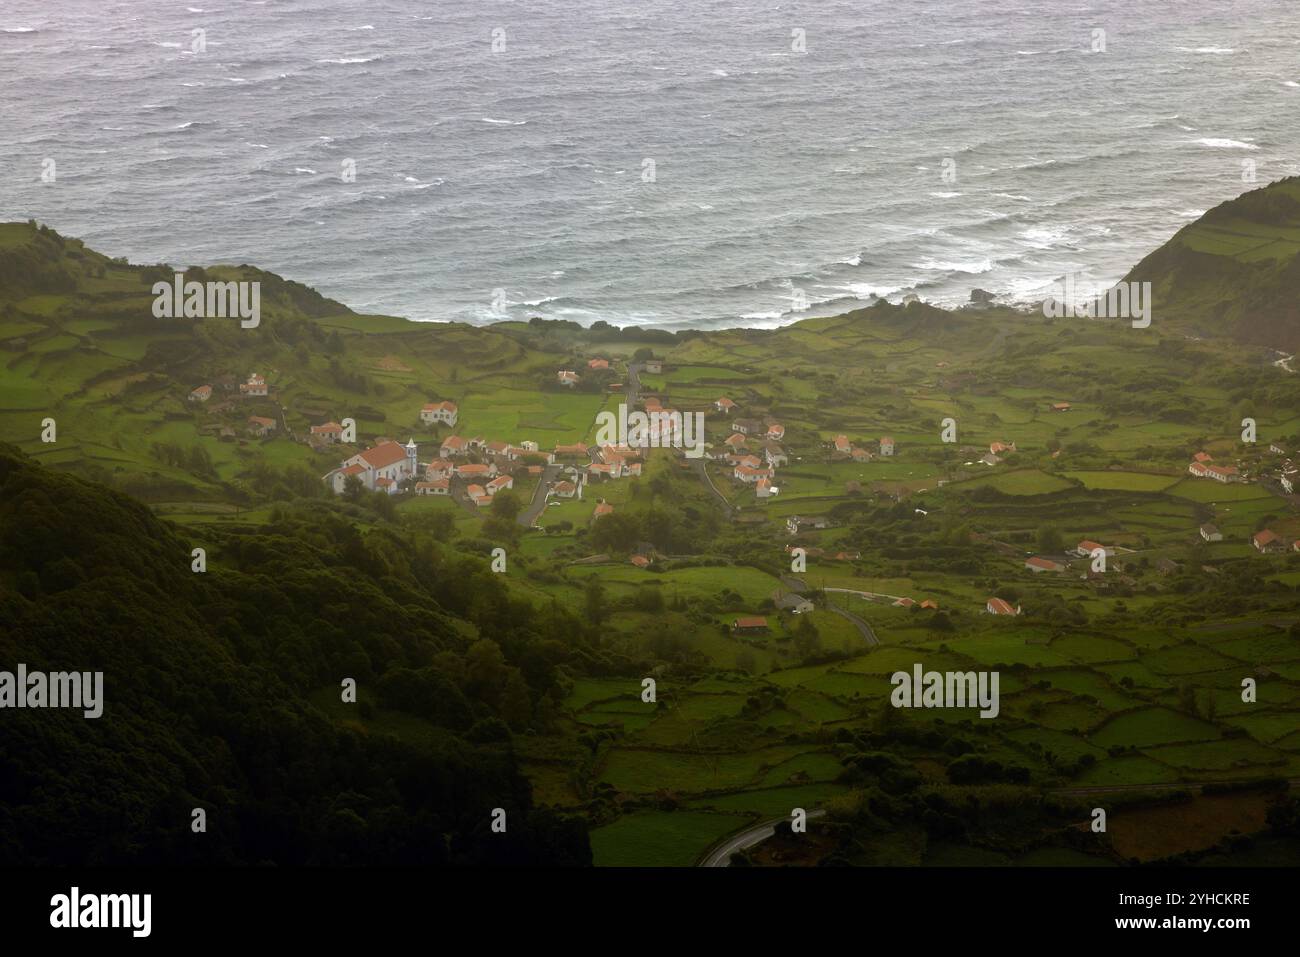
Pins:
<point x="1140" y="404"/>
<point x="1236" y="270"/>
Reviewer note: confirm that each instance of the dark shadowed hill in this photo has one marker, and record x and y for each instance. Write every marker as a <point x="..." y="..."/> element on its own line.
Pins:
<point x="221" y="692"/>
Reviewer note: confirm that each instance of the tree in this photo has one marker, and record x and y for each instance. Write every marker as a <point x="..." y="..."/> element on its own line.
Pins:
<point x="506" y="505"/>
<point x="807" y="639"/>
<point x="516" y="703"/>
<point x="1049" y="539"/>
<point x="594" y="600"/>
<point x="485" y="670"/>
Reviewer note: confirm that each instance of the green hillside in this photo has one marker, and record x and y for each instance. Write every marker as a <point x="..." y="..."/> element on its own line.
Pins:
<point x="1118" y="680"/>
<point x="1235" y="272"/>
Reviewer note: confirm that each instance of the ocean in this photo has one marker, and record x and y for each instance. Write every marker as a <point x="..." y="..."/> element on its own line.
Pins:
<point x="671" y="163"/>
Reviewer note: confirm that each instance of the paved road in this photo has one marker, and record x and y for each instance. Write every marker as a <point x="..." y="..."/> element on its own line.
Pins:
<point x="700" y="469"/>
<point x="872" y="595"/>
<point x="864" y="629"/>
<point x="528" y="516"/>
<point x="863" y="626"/>
<point x="633" y="391"/>
<point x="720" y="854"/>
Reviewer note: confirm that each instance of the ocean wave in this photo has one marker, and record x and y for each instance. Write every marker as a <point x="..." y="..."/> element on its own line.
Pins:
<point x="350" y="59"/>
<point x="1225" y="144"/>
<point x="19" y="30"/>
<point x="973" y="268"/>
<point x="866" y="290"/>
<point x="1219" y="50"/>
<point x="1046" y="237"/>
<point x="488" y="119"/>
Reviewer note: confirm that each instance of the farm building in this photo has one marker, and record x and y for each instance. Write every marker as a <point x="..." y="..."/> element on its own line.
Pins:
<point x="1037" y="564"/>
<point x="997" y="606"/>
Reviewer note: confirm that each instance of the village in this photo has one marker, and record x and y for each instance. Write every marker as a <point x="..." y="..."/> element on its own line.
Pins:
<point x="746" y="450"/>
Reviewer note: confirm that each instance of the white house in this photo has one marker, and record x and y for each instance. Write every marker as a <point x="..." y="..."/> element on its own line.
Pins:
<point x="453" y="446"/>
<point x="566" y="489"/>
<point x="439" y="469"/>
<point x="256" y="385"/>
<point x="474" y="472"/>
<point x="329" y="433"/>
<point x="443" y="412"/>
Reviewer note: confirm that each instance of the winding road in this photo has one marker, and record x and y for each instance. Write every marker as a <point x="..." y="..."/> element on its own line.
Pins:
<point x="699" y="468"/>
<point x="867" y="632"/>
<point x="863" y="626"/>
<point x="720" y="854"/>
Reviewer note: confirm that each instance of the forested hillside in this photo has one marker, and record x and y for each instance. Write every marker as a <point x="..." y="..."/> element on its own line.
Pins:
<point x="212" y="683"/>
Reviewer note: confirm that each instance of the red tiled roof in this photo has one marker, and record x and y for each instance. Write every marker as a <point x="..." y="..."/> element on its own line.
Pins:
<point x="384" y="454"/>
<point x="1000" y="607"/>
